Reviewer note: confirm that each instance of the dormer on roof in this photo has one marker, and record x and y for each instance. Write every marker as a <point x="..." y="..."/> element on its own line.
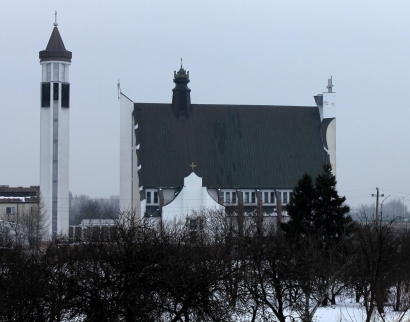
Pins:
<point x="55" y="48"/>
<point x="181" y="97"/>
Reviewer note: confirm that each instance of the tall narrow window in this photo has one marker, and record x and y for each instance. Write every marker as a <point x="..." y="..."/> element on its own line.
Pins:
<point x="272" y="197"/>
<point x="55" y="72"/>
<point x="266" y="197"/>
<point x="253" y="200"/>
<point x="62" y="73"/>
<point x="246" y="197"/>
<point x="148" y="196"/>
<point x="45" y="95"/>
<point x="227" y="197"/>
<point x="285" y="197"/>
<point x="279" y="195"/>
<point x="233" y="197"/>
<point x="48" y="72"/>
<point x="65" y="95"/>
<point x="155" y="197"/>
<point x="55" y="91"/>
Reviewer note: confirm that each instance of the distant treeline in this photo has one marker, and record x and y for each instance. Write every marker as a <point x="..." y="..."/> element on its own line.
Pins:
<point x="84" y="207"/>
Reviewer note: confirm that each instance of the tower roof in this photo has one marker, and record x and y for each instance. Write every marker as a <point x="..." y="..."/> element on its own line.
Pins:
<point x="181" y="97"/>
<point x="55" y="48"/>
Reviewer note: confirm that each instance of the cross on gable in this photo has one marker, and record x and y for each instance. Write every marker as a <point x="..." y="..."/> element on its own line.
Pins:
<point x="192" y="166"/>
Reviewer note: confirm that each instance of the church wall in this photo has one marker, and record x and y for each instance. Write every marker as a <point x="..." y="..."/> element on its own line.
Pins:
<point x="329" y="112"/>
<point x="136" y="200"/>
<point x="331" y="142"/>
<point x="143" y="207"/>
<point x="192" y="198"/>
<point x="214" y="194"/>
<point x="127" y="155"/>
<point x="329" y="105"/>
<point x="169" y="195"/>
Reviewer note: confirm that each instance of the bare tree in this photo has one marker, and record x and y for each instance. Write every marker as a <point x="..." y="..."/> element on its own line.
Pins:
<point x="375" y="251"/>
<point x="316" y="267"/>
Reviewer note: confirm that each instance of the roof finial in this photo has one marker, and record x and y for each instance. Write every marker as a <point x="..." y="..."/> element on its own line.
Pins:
<point x="181" y="62"/>
<point x="55" y="22"/>
<point x="329" y="85"/>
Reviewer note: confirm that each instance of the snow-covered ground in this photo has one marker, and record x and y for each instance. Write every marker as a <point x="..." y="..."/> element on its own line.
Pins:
<point x="353" y="312"/>
<point x="347" y="311"/>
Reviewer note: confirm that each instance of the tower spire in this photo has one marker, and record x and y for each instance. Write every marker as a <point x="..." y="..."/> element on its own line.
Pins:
<point x="55" y="50"/>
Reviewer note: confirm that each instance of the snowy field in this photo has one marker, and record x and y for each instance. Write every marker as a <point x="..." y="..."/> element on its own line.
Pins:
<point x="348" y="312"/>
<point x="353" y="312"/>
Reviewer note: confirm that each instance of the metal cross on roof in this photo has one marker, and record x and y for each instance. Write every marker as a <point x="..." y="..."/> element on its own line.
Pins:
<point x="329" y="85"/>
<point x="55" y="21"/>
<point x="192" y="165"/>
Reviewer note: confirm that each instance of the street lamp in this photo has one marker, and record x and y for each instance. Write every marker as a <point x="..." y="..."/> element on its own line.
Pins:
<point x="381" y="208"/>
<point x="404" y="204"/>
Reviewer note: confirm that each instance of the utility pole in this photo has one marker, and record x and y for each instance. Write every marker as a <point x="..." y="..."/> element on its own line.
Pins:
<point x="377" y="202"/>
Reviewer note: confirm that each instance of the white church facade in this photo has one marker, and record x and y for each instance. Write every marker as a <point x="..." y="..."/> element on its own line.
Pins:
<point x="180" y="158"/>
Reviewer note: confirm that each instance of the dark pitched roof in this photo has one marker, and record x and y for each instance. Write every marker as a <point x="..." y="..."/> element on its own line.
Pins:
<point x="238" y="146"/>
<point x="55" y="49"/>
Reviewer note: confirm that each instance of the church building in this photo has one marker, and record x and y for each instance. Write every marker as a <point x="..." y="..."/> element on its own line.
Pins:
<point x="182" y="157"/>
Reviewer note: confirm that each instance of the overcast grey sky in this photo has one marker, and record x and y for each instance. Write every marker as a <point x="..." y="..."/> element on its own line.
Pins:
<point x="237" y="52"/>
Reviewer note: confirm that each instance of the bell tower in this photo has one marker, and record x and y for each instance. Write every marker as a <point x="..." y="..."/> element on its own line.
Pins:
<point x="326" y="102"/>
<point x="55" y="61"/>
<point x="181" y="96"/>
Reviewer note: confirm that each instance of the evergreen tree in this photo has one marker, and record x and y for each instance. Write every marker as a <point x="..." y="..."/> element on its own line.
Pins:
<point x="317" y="208"/>
<point x="300" y="209"/>
<point x="330" y="213"/>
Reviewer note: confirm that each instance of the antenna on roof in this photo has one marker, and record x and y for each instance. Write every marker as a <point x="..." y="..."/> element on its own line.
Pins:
<point x="181" y="62"/>
<point x="329" y="85"/>
<point x="119" y="89"/>
<point x="55" y="21"/>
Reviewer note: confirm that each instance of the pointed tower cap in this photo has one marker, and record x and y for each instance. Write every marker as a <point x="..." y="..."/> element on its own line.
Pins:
<point x="55" y="48"/>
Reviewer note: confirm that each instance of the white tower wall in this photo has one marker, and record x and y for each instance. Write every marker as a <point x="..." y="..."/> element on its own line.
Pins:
<point x="54" y="150"/>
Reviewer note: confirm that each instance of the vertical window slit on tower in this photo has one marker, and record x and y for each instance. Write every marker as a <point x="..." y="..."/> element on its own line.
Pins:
<point x="65" y="95"/>
<point x="45" y="95"/>
<point x="55" y="91"/>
